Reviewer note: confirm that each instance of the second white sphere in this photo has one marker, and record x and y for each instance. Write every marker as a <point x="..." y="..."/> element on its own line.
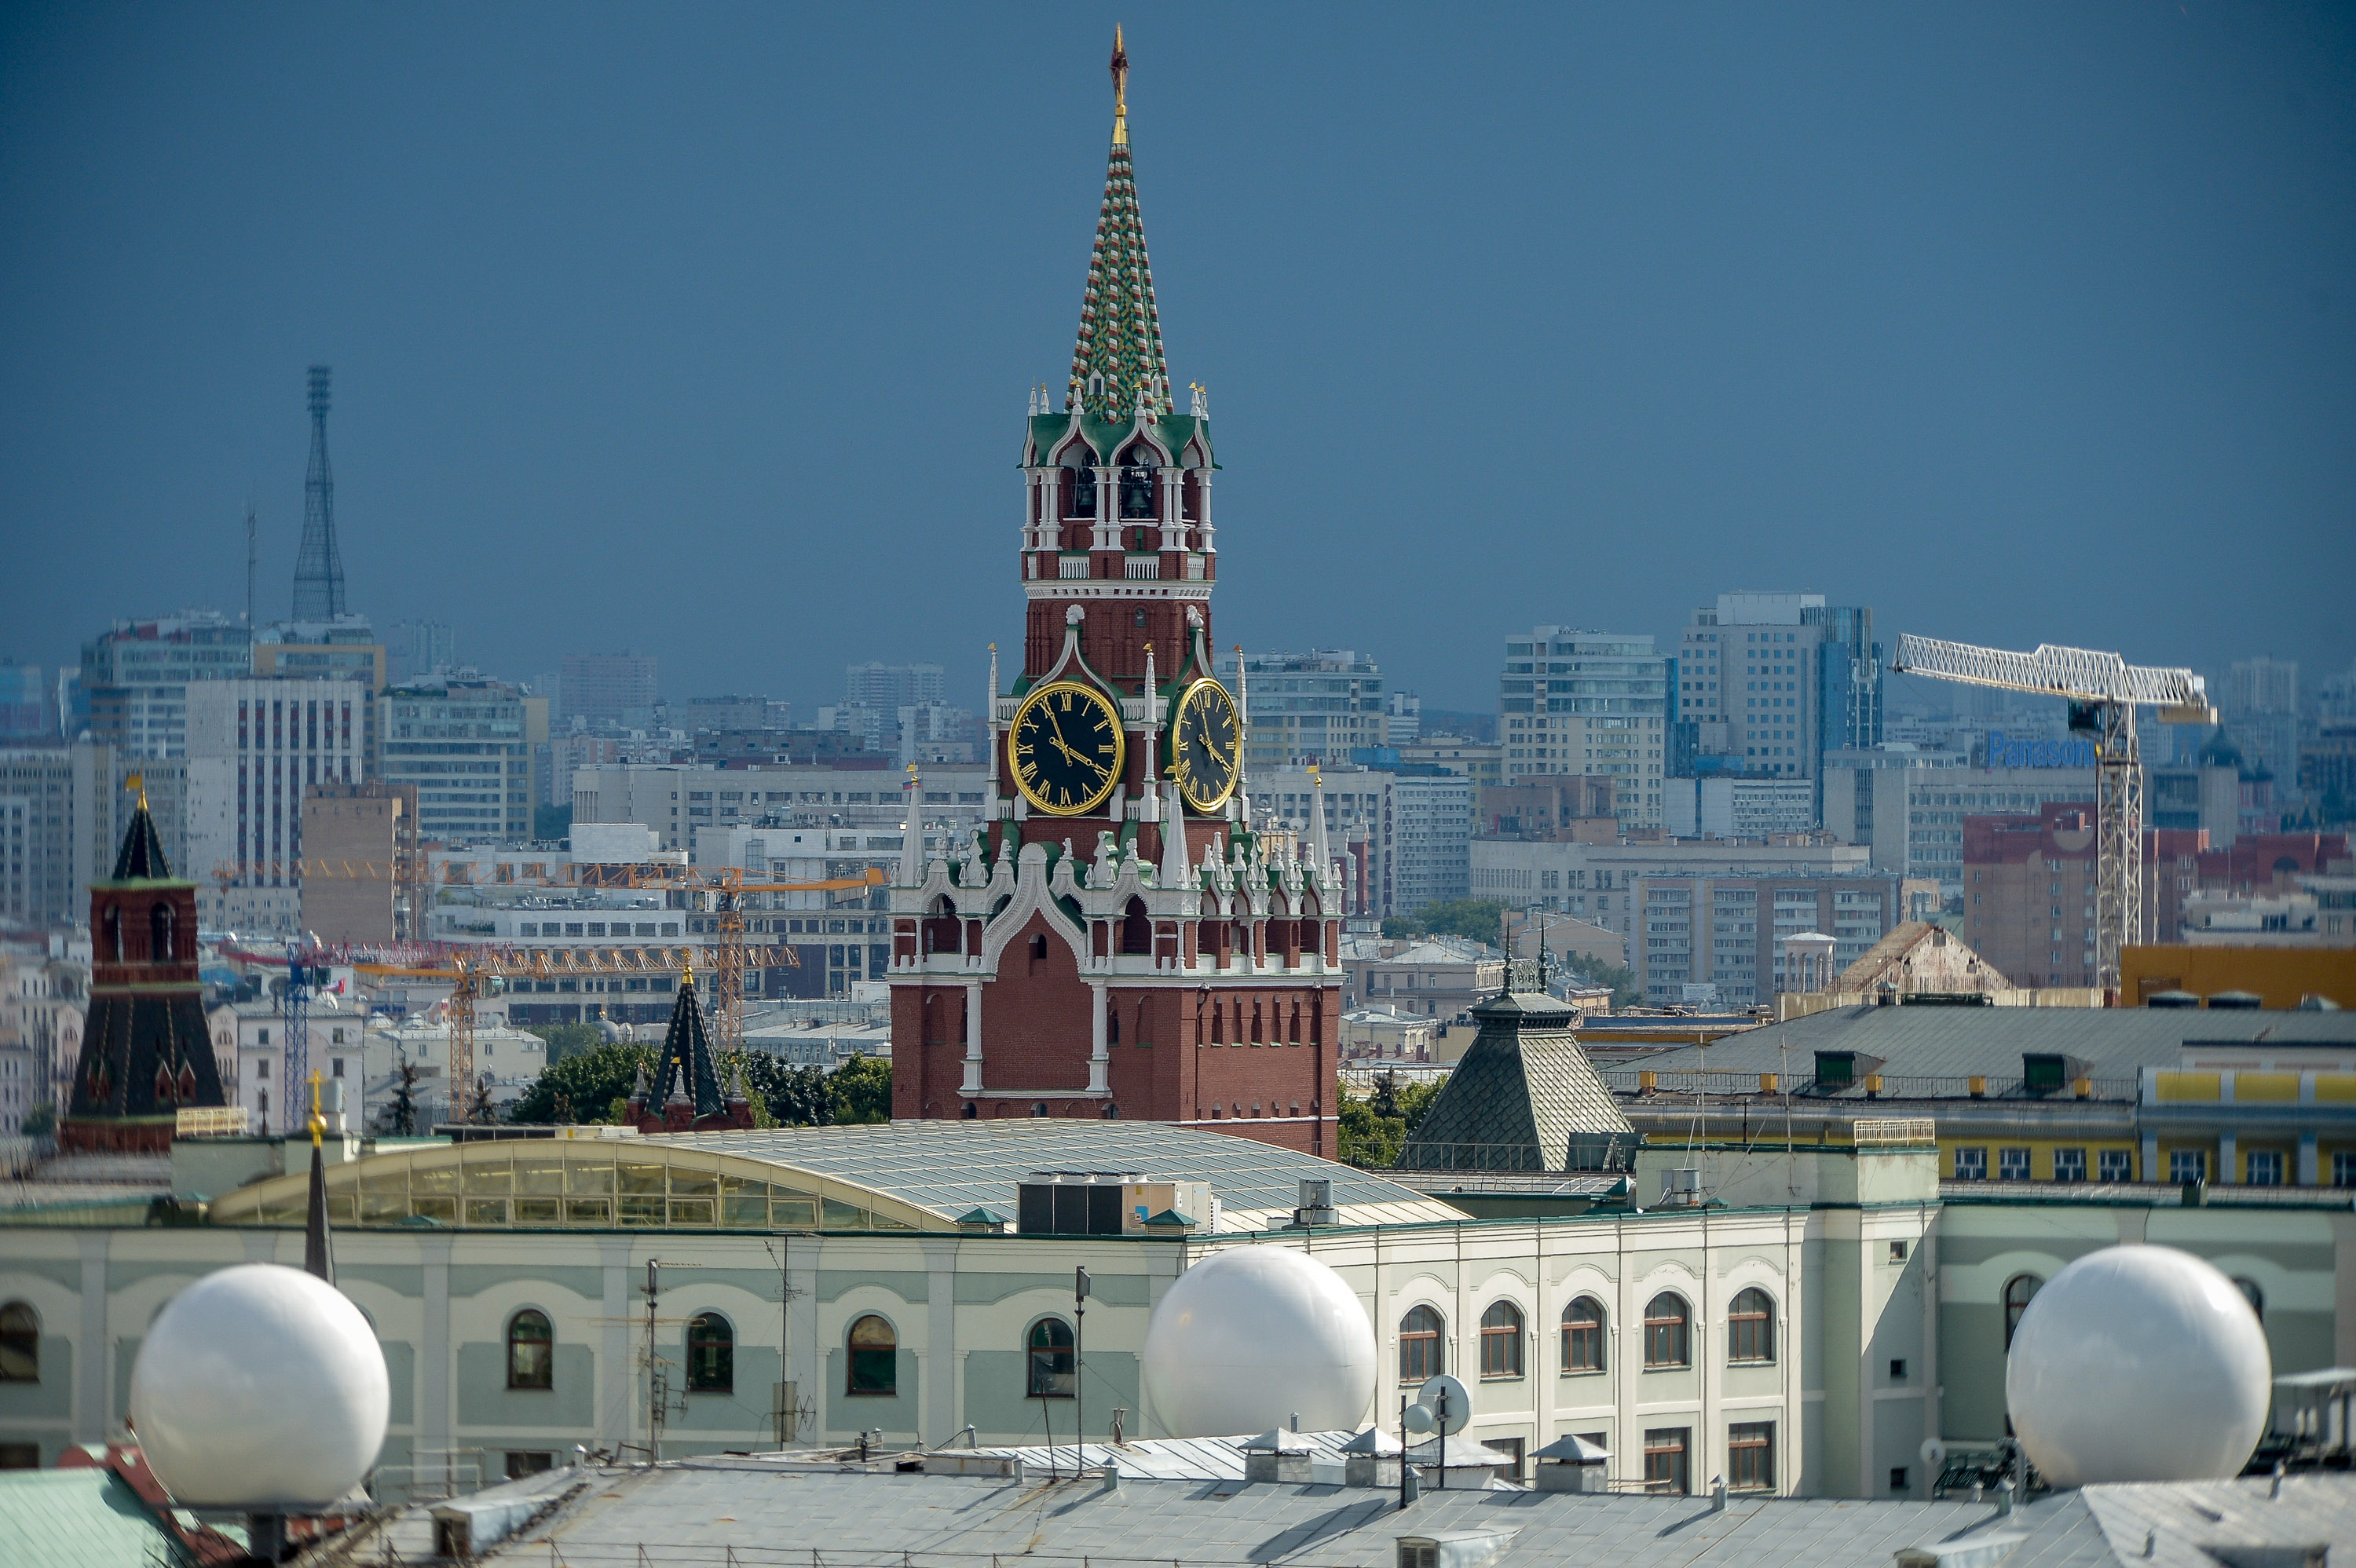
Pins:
<point x="2139" y="1364"/>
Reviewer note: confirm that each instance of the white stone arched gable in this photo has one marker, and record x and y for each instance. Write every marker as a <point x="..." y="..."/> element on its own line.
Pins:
<point x="58" y="1308"/>
<point x="1984" y="1281"/>
<point x="1032" y="896"/>
<point x="873" y="1301"/>
<point x="1508" y="1277"/>
<point x="392" y="1314"/>
<point x="1064" y="444"/>
<point x="486" y="1314"/>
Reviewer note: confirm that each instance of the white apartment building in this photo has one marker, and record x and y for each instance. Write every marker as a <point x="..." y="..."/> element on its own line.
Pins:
<point x="1598" y="882"/>
<point x="138" y="674"/>
<point x="1432" y="836"/>
<point x="677" y="800"/>
<point x="1727" y="931"/>
<point x="1738" y="807"/>
<point x="1572" y="701"/>
<point x="366" y="1056"/>
<point x="254" y="746"/>
<point x="74" y="811"/>
<point x="1910" y="816"/>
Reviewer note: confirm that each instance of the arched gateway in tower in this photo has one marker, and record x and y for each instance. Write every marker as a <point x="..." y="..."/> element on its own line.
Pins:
<point x="1116" y="942"/>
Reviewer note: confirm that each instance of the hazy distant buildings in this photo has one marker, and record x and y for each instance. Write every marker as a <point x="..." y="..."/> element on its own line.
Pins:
<point x="27" y="717"/>
<point x="889" y="687"/>
<point x="616" y="688"/>
<point x="415" y="649"/>
<point x="2261" y="712"/>
<point x="1572" y="701"/>
<point x="136" y="675"/>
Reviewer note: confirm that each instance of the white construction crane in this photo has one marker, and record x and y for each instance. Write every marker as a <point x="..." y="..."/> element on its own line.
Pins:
<point x="2104" y="691"/>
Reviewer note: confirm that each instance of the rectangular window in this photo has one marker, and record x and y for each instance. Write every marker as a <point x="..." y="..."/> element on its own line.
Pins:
<point x="2012" y="1165"/>
<point x="1511" y="1447"/>
<point x="1751" y="1457"/>
<point x="2188" y="1165"/>
<point x="2343" y="1169"/>
<point x="523" y="1462"/>
<point x="1666" y="1466"/>
<point x="2266" y="1167"/>
<point x="2114" y="1165"/>
<point x="2069" y="1165"/>
<point x="1971" y="1164"/>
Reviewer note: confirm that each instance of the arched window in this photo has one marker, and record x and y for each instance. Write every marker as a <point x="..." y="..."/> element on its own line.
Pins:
<point x="1420" y="1337"/>
<point x="112" y="923"/>
<point x="874" y="1355"/>
<point x="1048" y="1349"/>
<point x="2252" y="1295"/>
<point x="710" y="1355"/>
<point x="1500" y="1340"/>
<point x="1137" y="931"/>
<point x="1668" y="1341"/>
<point x="1750" y="1327"/>
<point x="159" y="934"/>
<point x="2018" y="1290"/>
<point x="1582" y="1336"/>
<point x="21" y="1344"/>
<point x="1039" y="947"/>
<point x="531" y="1350"/>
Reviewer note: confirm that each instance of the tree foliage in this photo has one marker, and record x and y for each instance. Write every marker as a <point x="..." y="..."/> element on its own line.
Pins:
<point x="598" y="1077"/>
<point x="1595" y="972"/>
<point x="782" y="1095"/>
<point x="1375" y="1128"/>
<point x="567" y="1039"/>
<point x="860" y="1091"/>
<point x="1476" y="919"/>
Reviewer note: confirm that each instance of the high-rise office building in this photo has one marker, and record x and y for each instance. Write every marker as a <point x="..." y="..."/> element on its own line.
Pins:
<point x="254" y="747"/>
<point x="888" y="687"/>
<point x="464" y="743"/>
<point x="1316" y="707"/>
<point x="1572" y="701"/>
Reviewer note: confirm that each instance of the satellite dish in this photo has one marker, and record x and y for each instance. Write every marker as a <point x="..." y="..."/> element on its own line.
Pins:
<point x="1934" y="1453"/>
<point x="1456" y="1413"/>
<point x="1418" y="1418"/>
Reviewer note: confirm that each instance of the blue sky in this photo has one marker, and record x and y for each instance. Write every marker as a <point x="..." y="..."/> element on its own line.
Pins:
<point x="706" y="330"/>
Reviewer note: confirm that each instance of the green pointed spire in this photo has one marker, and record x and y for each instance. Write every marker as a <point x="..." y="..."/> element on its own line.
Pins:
<point x="1118" y="356"/>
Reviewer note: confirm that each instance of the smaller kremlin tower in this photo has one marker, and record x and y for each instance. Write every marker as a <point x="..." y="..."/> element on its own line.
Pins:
<point x="686" y="1096"/>
<point x="146" y="1054"/>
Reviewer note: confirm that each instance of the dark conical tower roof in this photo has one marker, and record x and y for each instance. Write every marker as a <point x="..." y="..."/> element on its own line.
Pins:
<point x="1525" y="1097"/>
<point x="141" y="859"/>
<point x="687" y="1068"/>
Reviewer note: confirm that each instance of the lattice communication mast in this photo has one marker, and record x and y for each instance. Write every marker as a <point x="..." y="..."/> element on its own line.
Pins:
<point x="2104" y="691"/>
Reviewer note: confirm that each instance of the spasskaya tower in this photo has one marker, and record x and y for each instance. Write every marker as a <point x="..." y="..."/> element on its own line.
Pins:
<point x="1116" y="942"/>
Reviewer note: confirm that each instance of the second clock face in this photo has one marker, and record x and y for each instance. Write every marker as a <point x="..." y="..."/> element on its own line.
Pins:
<point x="1066" y="747"/>
<point x="1206" y="750"/>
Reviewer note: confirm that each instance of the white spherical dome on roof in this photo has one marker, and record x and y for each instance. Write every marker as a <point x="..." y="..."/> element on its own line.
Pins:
<point x="1249" y="1336"/>
<point x="260" y="1387"/>
<point x="2139" y="1364"/>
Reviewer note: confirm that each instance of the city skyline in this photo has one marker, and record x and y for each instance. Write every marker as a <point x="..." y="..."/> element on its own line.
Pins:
<point x="1829" y="336"/>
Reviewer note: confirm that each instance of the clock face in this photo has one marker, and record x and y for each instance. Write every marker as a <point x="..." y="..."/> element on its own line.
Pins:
<point x="1206" y="746"/>
<point x="1066" y="749"/>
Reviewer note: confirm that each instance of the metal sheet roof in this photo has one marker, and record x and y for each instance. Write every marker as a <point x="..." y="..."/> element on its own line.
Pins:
<point x="950" y="1168"/>
<point x="1989" y="1041"/>
<point x="694" y="1510"/>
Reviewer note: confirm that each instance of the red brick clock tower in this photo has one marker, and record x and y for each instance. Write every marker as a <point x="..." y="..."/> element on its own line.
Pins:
<point x="1117" y="944"/>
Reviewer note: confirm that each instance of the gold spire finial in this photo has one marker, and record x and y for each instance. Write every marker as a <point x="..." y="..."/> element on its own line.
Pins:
<point x="137" y="782"/>
<point x="1119" y="89"/>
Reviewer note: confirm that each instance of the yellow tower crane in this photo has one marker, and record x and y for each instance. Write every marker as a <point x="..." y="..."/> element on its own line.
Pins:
<point x="2104" y="691"/>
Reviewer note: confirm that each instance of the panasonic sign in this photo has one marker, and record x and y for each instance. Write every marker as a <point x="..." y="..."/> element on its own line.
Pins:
<point x="2015" y="751"/>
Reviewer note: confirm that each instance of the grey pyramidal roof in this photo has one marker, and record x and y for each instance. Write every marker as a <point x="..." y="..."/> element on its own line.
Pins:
<point x="1523" y="1098"/>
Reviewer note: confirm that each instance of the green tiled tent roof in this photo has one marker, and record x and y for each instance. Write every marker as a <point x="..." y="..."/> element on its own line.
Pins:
<point x="1523" y="1098"/>
<point x="1119" y="356"/>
